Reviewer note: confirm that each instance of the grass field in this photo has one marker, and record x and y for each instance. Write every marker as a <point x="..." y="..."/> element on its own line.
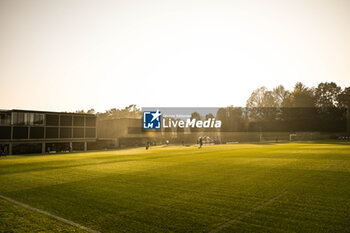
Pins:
<point x="292" y="187"/>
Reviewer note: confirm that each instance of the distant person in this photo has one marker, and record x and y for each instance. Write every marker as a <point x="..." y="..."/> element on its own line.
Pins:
<point x="200" y="142"/>
<point x="167" y="142"/>
<point x="147" y="145"/>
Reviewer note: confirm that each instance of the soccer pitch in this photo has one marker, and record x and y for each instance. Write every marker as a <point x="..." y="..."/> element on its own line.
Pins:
<point x="291" y="187"/>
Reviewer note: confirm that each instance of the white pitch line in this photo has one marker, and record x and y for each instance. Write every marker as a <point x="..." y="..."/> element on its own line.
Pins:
<point x="48" y="214"/>
<point x="226" y="224"/>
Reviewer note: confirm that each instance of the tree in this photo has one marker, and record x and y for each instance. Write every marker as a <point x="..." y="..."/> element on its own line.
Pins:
<point x="262" y="104"/>
<point x="209" y="116"/>
<point x="232" y="119"/>
<point x="344" y="98"/>
<point x="130" y="111"/>
<point x="236" y="119"/>
<point x="344" y="102"/>
<point x="195" y="115"/>
<point x="303" y="108"/>
<point x="281" y="96"/>
<point x="221" y="115"/>
<point x="326" y="95"/>
<point x="91" y="111"/>
<point x="80" y="111"/>
<point x="302" y="96"/>
<point x="256" y="98"/>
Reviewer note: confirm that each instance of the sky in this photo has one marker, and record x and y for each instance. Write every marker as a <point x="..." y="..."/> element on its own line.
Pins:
<point x="67" y="55"/>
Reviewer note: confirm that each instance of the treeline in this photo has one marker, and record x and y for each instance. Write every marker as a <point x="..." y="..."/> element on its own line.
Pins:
<point x="130" y="111"/>
<point x="325" y="95"/>
<point x="321" y="108"/>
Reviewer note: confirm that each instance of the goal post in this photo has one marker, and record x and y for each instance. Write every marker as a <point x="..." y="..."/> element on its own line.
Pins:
<point x="291" y="136"/>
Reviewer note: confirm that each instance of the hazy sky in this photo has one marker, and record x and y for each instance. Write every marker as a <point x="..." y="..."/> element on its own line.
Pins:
<point x="69" y="55"/>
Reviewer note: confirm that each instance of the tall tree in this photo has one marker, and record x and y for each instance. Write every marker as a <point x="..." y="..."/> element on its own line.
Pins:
<point x="209" y="116"/>
<point x="256" y="98"/>
<point x="232" y="119"/>
<point x="326" y="95"/>
<point x="262" y="104"/>
<point x="222" y="116"/>
<point x="344" y="98"/>
<point x="197" y="116"/>
<point x="302" y="96"/>
<point x="281" y="96"/>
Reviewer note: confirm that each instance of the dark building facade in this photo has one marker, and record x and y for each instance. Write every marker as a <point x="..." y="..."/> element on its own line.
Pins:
<point x="23" y="131"/>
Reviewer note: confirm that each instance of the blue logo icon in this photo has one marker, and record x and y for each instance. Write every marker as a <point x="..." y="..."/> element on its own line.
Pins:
<point x="151" y="120"/>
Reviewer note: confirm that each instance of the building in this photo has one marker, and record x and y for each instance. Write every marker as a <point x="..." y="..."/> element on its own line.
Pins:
<point x="23" y="131"/>
<point x="123" y="132"/>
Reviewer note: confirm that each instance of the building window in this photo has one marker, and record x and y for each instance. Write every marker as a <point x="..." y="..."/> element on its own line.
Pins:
<point x="90" y="132"/>
<point x="19" y="118"/>
<point x="52" y="132"/>
<point x="5" y="132"/>
<point x="36" y="119"/>
<point x="65" y="132"/>
<point x="66" y="120"/>
<point x="5" y="118"/>
<point x="78" y="121"/>
<point x="51" y="120"/>
<point x="90" y="121"/>
<point x="27" y="118"/>
<point x="78" y="132"/>
<point x="37" y="132"/>
<point x="20" y="132"/>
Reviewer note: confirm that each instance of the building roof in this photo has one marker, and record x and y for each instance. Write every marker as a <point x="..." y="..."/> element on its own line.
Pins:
<point x="38" y="111"/>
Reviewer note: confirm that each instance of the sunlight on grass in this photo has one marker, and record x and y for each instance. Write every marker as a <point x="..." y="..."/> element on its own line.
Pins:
<point x="185" y="189"/>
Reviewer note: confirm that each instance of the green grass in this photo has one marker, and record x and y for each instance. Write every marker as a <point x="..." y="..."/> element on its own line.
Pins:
<point x="182" y="189"/>
<point x="15" y="218"/>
